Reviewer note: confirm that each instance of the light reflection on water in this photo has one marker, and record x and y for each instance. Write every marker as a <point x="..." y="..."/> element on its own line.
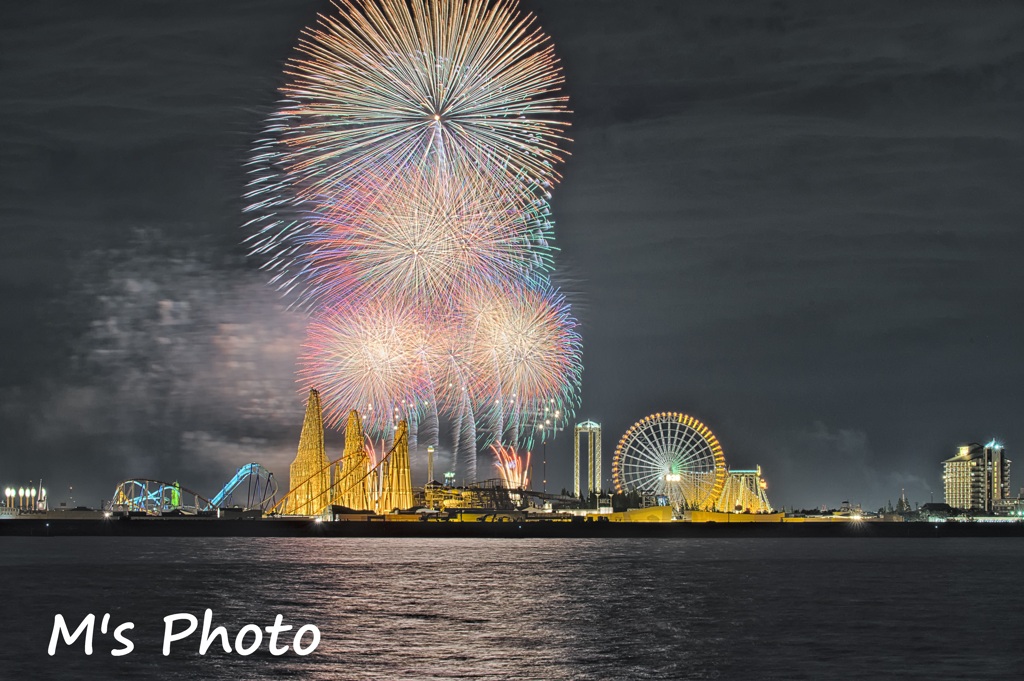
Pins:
<point x="539" y="609"/>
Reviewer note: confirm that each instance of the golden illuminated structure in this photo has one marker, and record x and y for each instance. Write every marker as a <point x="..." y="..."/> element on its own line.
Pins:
<point x="396" y="487"/>
<point x="310" y="473"/>
<point x="593" y="432"/>
<point x="353" y="486"/>
<point x="489" y="494"/>
<point x="360" y="483"/>
<point x="673" y="456"/>
<point x="744" y="492"/>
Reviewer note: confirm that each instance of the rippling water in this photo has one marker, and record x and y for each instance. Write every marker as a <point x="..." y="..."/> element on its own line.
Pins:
<point x="529" y="609"/>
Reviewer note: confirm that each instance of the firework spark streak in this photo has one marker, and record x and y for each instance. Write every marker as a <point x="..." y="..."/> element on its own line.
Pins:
<point x="513" y="470"/>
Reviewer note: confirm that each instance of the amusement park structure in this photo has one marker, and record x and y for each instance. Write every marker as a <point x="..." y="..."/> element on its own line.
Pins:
<point x="593" y="432"/>
<point x="669" y="459"/>
<point x="359" y="482"/>
<point x="679" y="460"/>
<point x="252" y="487"/>
<point x="310" y="473"/>
<point x="357" y="488"/>
<point x="744" y="492"/>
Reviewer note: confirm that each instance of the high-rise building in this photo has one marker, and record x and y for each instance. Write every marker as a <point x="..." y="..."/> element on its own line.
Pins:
<point x="976" y="477"/>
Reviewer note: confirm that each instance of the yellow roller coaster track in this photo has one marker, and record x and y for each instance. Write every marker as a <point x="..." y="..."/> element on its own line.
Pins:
<point x="321" y="501"/>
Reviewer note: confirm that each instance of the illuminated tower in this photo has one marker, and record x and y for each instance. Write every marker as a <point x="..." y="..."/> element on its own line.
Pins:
<point x="352" y="483"/>
<point x="593" y="432"/>
<point x="396" y="492"/>
<point x="310" y="473"/>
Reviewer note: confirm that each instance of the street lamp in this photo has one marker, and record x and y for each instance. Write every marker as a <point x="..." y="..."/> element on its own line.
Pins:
<point x="544" y="456"/>
<point x="544" y="427"/>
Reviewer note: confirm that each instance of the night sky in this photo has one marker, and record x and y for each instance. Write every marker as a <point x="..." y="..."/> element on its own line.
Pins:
<point x="799" y="222"/>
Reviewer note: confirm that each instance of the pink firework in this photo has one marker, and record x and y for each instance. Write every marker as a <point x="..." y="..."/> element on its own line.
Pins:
<point x="424" y="237"/>
<point x="365" y="358"/>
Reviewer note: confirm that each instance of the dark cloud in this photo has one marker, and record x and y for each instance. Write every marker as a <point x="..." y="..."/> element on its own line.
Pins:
<point x="184" y="369"/>
<point x="776" y="216"/>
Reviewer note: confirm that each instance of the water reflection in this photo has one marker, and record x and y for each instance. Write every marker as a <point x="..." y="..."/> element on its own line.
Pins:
<point x="544" y="609"/>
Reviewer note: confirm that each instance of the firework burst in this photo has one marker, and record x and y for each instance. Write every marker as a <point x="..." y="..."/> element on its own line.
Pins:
<point x="400" y="193"/>
<point x="366" y="358"/>
<point x="424" y="237"/>
<point x="468" y="84"/>
<point x="526" y="352"/>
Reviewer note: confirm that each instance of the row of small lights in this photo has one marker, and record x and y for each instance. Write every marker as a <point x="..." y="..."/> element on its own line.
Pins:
<point x="23" y="494"/>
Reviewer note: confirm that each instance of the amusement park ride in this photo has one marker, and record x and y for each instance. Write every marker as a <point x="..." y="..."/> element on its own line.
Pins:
<point x="357" y="480"/>
<point x="679" y="460"/>
<point x="252" y="487"/>
<point x="668" y="459"/>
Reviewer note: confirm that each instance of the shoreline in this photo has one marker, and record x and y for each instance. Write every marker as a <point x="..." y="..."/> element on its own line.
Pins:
<point x="303" y="527"/>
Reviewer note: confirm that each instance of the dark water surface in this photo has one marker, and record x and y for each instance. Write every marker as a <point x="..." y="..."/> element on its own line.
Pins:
<point x="531" y="609"/>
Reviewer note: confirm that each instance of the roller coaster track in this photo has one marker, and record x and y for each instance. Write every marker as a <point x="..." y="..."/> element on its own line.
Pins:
<point x="259" y="485"/>
<point x="338" y="487"/>
<point x="156" y="496"/>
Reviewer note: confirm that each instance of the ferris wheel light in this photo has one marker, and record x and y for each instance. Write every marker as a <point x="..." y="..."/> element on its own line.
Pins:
<point x="672" y="455"/>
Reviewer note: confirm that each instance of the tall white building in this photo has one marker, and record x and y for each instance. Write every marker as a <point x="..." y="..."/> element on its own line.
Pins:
<point x="976" y="477"/>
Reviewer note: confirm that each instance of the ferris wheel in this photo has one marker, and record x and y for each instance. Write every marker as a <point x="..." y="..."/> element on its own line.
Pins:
<point x="674" y="455"/>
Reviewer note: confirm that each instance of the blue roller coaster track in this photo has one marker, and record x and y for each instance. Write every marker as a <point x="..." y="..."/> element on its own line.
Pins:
<point x="252" y="487"/>
<point x="258" y="484"/>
